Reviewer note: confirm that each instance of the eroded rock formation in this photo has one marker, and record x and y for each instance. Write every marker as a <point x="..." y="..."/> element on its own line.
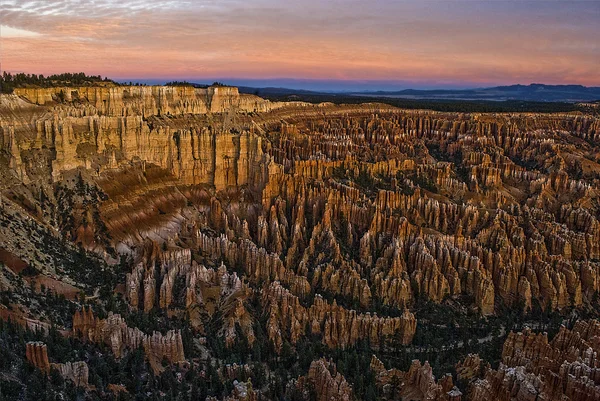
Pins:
<point x="37" y="355"/>
<point x="326" y="220"/>
<point x="338" y="326"/>
<point x="328" y="383"/>
<point x="533" y="368"/>
<point x="418" y="383"/>
<point x="116" y="334"/>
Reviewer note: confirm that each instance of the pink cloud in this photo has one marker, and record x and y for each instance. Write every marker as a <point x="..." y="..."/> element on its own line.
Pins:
<point x="268" y="40"/>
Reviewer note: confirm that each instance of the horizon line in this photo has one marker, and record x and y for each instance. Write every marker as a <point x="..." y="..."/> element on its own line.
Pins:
<point x="280" y="82"/>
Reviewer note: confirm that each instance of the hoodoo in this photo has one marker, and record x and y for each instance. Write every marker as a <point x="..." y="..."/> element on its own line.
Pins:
<point x="173" y="231"/>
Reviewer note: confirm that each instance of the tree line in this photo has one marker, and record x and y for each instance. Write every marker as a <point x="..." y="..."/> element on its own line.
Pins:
<point x="8" y="81"/>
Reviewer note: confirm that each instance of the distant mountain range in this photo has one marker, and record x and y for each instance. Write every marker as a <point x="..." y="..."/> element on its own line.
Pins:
<point x="533" y="92"/>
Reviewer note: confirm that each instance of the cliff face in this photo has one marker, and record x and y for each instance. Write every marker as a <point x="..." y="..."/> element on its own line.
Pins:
<point x="151" y="100"/>
<point x="100" y="128"/>
<point x="194" y="154"/>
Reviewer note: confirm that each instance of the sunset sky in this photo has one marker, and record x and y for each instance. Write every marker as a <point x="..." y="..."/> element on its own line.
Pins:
<point x="308" y="43"/>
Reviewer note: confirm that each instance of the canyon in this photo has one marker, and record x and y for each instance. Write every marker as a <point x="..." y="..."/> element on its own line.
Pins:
<point x="249" y="224"/>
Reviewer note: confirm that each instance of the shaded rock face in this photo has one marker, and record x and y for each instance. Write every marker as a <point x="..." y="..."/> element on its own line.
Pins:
<point x="469" y="368"/>
<point x="114" y="332"/>
<point x="327" y="382"/>
<point x="194" y="153"/>
<point x="338" y="326"/>
<point x="77" y="372"/>
<point x="37" y="355"/>
<point x="418" y="383"/>
<point x="534" y="368"/>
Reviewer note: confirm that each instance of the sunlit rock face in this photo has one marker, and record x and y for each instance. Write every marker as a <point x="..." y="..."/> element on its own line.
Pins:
<point x="149" y="101"/>
<point x="112" y="126"/>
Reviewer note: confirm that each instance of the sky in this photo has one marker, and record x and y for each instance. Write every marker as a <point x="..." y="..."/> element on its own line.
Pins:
<point x="312" y="44"/>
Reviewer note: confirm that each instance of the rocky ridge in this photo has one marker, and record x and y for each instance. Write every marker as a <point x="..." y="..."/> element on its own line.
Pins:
<point x="119" y="337"/>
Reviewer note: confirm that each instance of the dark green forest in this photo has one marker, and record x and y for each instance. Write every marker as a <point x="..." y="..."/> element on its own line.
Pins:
<point x="8" y="81"/>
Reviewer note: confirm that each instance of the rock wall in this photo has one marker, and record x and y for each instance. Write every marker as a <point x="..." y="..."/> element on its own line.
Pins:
<point x="101" y="128"/>
<point x="194" y="155"/>
<point x="151" y="100"/>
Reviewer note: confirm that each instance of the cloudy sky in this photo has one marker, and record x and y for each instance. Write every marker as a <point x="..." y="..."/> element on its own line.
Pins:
<point x="417" y="43"/>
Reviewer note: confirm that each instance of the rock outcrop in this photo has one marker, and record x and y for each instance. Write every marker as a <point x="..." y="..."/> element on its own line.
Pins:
<point x="533" y="368"/>
<point x="469" y="368"/>
<point x="114" y="332"/>
<point x="37" y="355"/>
<point x="185" y="285"/>
<point x="328" y="383"/>
<point x="418" y="383"/>
<point x="339" y="327"/>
